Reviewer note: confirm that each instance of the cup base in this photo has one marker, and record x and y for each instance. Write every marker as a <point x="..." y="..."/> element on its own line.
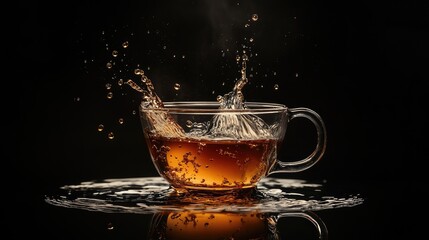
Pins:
<point x="213" y="197"/>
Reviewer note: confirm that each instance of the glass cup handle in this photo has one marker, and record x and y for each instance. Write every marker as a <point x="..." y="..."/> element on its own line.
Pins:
<point x="313" y="218"/>
<point x="318" y="152"/>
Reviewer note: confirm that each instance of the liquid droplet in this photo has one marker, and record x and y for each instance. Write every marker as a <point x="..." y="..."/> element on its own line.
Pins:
<point x="189" y="123"/>
<point x="134" y="85"/>
<point x="276" y="87"/>
<point x="296" y="75"/>
<point x="109" y="65"/>
<point x="237" y="58"/>
<point x="108" y="86"/>
<point x="110" y="135"/>
<point x="183" y="56"/>
<point x="138" y="71"/>
<point x="115" y="53"/>
<point x="110" y="226"/>
<point x="125" y="44"/>
<point x="109" y="95"/>
<point x="165" y="47"/>
<point x="120" y="82"/>
<point x="255" y="17"/>
<point x="251" y="40"/>
<point x="77" y="99"/>
<point x="177" y="87"/>
<point x="246" y="25"/>
<point x="100" y="127"/>
<point x="134" y="112"/>
<point x="121" y="121"/>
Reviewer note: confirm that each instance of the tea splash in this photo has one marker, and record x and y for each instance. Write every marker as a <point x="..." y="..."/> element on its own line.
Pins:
<point x="228" y="126"/>
<point x="234" y="144"/>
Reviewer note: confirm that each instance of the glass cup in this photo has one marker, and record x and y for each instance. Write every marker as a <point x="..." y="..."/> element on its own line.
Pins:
<point x="198" y="146"/>
<point x="225" y="225"/>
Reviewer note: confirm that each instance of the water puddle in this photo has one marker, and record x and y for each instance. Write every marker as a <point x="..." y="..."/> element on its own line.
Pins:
<point x="153" y="194"/>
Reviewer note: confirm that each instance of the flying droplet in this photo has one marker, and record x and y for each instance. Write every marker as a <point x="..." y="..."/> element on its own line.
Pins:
<point x="121" y="121"/>
<point x="134" y="112"/>
<point x="246" y="25"/>
<point x="110" y="226"/>
<point x="108" y="86"/>
<point x="77" y="99"/>
<point x="245" y="57"/>
<point x="115" y="53"/>
<point x="138" y="71"/>
<point x="109" y="65"/>
<point x="134" y="85"/>
<point x="189" y="123"/>
<point x="111" y="135"/>
<point x="100" y="127"/>
<point x="255" y="17"/>
<point x="276" y="87"/>
<point x="251" y="40"/>
<point x="125" y="44"/>
<point x="296" y="74"/>
<point x="109" y="95"/>
<point x="176" y="86"/>
<point x="165" y="47"/>
<point x="237" y="58"/>
<point x="120" y="82"/>
<point x="183" y="56"/>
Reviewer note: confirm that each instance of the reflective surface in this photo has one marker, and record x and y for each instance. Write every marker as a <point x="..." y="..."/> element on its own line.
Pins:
<point x="253" y="214"/>
<point x="154" y="194"/>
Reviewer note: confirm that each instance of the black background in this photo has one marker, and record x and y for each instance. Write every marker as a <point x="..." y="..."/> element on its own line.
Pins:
<point x="360" y="65"/>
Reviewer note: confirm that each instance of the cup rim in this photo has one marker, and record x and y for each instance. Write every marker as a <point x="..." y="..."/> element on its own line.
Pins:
<point x="213" y="107"/>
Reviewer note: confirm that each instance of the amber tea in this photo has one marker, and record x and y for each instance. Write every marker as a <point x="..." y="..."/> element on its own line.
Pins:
<point x="214" y="164"/>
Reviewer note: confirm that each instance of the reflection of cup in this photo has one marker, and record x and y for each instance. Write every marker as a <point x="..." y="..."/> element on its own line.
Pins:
<point x="196" y="145"/>
<point x="224" y="225"/>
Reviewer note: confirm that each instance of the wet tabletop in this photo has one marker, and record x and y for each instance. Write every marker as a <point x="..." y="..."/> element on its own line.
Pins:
<point x="154" y="194"/>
